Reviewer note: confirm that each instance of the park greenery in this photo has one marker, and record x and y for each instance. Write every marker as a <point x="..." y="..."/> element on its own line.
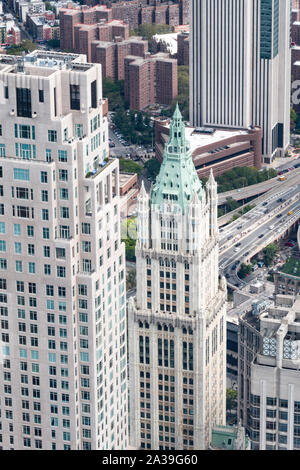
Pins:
<point x="128" y="166"/>
<point x="148" y="30"/>
<point x="243" y="176"/>
<point x="135" y="126"/>
<point x="24" y="46"/>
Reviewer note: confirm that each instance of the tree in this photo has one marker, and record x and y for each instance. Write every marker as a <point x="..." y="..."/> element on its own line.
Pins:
<point x="148" y="30"/>
<point x="245" y="270"/>
<point x="293" y="119"/>
<point x="152" y="166"/>
<point x="231" y="399"/>
<point x="269" y="254"/>
<point x="26" y="46"/>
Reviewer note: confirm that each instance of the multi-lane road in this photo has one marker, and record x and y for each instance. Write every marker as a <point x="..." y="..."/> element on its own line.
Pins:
<point x="252" y="232"/>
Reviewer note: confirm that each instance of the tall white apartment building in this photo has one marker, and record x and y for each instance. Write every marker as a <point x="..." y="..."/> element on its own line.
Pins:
<point x="62" y="281"/>
<point x="177" y="323"/>
<point x="240" y="61"/>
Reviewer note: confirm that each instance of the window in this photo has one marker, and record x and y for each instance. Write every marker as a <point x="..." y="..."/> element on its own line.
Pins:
<point x="44" y="195"/>
<point x="2" y="227"/>
<point x="19" y="266"/>
<point x="64" y="193"/>
<point x="44" y="177"/>
<point x="75" y="97"/>
<point x="60" y="253"/>
<point x="23" y="212"/>
<point x="30" y="231"/>
<point x="48" y="155"/>
<point x="31" y="268"/>
<point x="94" y="94"/>
<point x="2" y="150"/>
<point x="45" y="214"/>
<point x="18" y="248"/>
<point x="63" y="175"/>
<point x="21" y="174"/>
<point x="41" y="96"/>
<point x="46" y="233"/>
<point x="52" y="136"/>
<point x="47" y="269"/>
<point x="30" y="249"/>
<point x="3" y="246"/>
<point x="79" y="130"/>
<point x="64" y="212"/>
<point x="86" y="228"/>
<point x="24" y="102"/>
<point x="24" y="131"/>
<point x="22" y="193"/>
<point x="61" y="271"/>
<point x="62" y="156"/>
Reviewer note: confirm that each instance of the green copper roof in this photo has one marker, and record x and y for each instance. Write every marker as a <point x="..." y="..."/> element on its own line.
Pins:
<point x="177" y="180"/>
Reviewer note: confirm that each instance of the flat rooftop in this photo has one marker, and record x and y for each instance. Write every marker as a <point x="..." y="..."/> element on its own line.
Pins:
<point x="43" y="63"/>
<point x="207" y="136"/>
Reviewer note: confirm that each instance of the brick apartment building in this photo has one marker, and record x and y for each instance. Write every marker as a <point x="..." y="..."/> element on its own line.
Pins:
<point x="138" y="12"/>
<point x="150" y="80"/>
<point x="111" y="55"/>
<point x="71" y="17"/>
<point x="183" y="48"/>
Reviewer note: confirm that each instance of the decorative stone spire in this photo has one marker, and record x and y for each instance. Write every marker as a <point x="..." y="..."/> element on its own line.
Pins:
<point x="177" y="180"/>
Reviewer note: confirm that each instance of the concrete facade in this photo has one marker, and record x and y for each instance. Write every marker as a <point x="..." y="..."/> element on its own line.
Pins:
<point x="222" y="91"/>
<point x="63" y="372"/>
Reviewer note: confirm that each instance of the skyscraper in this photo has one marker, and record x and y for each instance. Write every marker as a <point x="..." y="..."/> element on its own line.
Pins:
<point x="240" y="63"/>
<point x="177" y="324"/>
<point x="63" y="380"/>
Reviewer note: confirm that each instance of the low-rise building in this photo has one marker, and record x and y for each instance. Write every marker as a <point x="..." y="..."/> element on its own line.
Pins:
<point x="216" y="149"/>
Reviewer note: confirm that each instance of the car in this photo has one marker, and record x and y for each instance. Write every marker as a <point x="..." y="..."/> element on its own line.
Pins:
<point x="261" y="236"/>
<point x="227" y="276"/>
<point x="290" y="244"/>
<point x="265" y="203"/>
<point x="238" y="244"/>
<point x="279" y="216"/>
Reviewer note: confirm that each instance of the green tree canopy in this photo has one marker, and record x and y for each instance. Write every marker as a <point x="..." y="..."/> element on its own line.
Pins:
<point x="270" y="253"/>
<point x="152" y="166"/>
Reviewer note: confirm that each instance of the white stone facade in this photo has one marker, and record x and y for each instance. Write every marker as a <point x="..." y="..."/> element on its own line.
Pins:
<point x="63" y="371"/>
<point x="177" y="323"/>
